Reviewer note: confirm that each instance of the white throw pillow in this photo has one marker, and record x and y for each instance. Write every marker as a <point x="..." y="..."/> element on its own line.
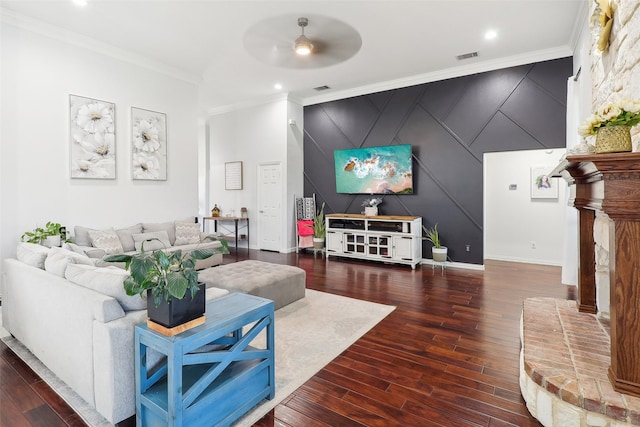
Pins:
<point x="169" y="227"/>
<point x="59" y="259"/>
<point x="108" y="281"/>
<point x="126" y="236"/>
<point x="74" y="248"/>
<point x="107" y="240"/>
<point x="187" y="233"/>
<point x="160" y="241"/>
<point x="32" y="254"/>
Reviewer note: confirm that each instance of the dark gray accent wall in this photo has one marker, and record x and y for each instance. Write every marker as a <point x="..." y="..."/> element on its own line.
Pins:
<point x="450" y="125"/>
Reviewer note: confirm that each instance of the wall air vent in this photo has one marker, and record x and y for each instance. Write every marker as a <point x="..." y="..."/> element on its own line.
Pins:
<point x="321" y="88"/>
<point x="467" y="56"/>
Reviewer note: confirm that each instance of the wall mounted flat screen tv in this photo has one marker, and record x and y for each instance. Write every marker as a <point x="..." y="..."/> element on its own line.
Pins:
<point x="374" y="170"/>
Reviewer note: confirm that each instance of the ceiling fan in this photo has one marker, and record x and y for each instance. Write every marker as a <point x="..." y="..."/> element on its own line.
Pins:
<point x="326" y="41"/>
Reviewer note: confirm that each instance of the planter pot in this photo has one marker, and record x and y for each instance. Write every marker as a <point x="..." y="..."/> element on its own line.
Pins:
<point x="371" y="211"/>
<point x="439" y="254"/>
<point x="613" y="139"/>
<point x="318" y="242"/>
<point x="177" y="311"/>
<point x="51" y="241"/>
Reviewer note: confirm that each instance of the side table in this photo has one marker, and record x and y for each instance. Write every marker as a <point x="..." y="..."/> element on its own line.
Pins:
<point x="210" y="375"/>
<point x="229" y="236"/>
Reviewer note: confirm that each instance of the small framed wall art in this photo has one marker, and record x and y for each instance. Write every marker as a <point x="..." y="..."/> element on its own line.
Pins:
<point x="542" y="185"/>
<point x="148" y="144"/>
<point x="92" y="137"/>
<point x="233" y="176"/>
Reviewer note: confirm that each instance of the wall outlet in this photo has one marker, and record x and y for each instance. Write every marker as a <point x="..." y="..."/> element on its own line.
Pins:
<point x="533" y="244"/>
<point x="467" y="248"/>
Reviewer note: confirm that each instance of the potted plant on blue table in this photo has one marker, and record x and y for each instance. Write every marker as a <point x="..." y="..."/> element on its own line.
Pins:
<point x="169" y="281"/>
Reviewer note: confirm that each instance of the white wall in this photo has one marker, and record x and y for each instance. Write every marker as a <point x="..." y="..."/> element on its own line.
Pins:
<point x="254" y="135"/>
<point x="513" y="220"/>
<point x="38" y="74"/>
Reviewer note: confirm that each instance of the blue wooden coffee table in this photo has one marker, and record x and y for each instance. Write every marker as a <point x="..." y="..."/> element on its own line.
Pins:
<point x="210" y="376"/>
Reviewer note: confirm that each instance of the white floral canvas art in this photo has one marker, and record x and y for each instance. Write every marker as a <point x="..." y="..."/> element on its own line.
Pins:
<point x="92" y="137"/>
<point x="149" y="144"/>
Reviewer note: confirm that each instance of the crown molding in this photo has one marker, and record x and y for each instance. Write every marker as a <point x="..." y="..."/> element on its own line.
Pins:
<point x="576" y="31"/>
<point x="252" y="103"/>
<point x="42" y="28"/>
<point x="478" y="67"/>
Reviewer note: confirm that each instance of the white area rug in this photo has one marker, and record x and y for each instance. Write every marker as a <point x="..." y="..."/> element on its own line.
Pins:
<point x="310" y="333"/>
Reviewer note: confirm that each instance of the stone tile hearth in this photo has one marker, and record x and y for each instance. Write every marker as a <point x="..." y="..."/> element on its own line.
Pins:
<point x="563" y="368"/>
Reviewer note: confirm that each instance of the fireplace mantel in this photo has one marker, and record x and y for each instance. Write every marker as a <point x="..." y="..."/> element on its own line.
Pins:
<point x="611" y="183"/>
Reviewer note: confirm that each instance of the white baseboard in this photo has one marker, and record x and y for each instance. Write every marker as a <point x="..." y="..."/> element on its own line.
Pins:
<point x="525" y="260"/>
<point x="453" y="264"/>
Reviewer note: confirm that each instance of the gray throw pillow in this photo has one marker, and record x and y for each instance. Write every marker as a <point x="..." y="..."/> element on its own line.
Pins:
<point x="151" y="241"/>
<point x="126" y="236"/>
<point x="169" y="227"/>
<point x="81" y="235"/>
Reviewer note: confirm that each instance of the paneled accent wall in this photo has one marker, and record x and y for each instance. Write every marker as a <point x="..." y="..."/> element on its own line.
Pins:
<point x="450" y="125"/>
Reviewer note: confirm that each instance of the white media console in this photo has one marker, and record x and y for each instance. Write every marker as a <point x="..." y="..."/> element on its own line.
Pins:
<point x="386" y="238"/>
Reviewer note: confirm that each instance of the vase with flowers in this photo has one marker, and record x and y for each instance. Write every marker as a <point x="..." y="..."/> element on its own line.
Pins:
<point x="371" y="206"/>
<point x="612" y="126"/>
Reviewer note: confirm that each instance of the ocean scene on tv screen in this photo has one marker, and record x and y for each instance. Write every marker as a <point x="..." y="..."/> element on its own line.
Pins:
<point x="374" y="170"/>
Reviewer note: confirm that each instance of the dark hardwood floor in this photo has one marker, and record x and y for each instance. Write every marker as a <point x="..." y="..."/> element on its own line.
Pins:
<point x="447" y="356"/>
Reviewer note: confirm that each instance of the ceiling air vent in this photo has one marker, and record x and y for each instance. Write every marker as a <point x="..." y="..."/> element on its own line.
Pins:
<point x="467" y="56"/>
<point x="321" y="88"/>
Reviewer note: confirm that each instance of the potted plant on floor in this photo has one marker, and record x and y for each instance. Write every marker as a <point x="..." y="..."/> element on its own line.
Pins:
<point x="165" y="278"/>
<point x="438" y="251"/>
<point x="53" y="234"/>
<point x="319" y="229"/>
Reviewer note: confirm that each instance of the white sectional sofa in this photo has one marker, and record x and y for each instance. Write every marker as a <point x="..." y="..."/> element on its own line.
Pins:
<point x="76" y="318"/>
<point x="172" y="235"/>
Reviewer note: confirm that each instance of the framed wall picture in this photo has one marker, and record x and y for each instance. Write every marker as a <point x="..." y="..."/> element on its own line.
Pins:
<point x="233" y="176"/>
<point x="92" y="137"/>
<point x="148" y="145"/>
<point x="542" y="185"/>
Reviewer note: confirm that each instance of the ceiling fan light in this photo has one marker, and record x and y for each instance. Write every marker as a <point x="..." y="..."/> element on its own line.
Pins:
<point x="303" y="45"/>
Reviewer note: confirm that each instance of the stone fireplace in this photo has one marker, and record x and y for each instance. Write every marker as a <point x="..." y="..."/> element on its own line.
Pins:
<point x="580" y="361"/>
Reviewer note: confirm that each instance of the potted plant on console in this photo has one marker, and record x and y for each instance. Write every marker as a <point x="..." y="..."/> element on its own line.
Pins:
<point x="438" y="251"/>
<point x="165" y="278"/>
<point x="53" y="234"/>
<point x="319" y="229"/>
<point x="371" y="206"/>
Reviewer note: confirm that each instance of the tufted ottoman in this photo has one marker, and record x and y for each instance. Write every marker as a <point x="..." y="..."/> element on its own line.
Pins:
<point x="283" y="284"/>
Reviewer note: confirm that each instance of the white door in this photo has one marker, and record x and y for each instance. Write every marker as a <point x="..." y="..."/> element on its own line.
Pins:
<point x="269" y="206"/>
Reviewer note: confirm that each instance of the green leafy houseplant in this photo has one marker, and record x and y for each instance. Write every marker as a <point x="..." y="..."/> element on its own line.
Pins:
<point x="39" y="234"/>
<point x="432" y="236"/>
<point x="438" y="251"/>
<point x="319" y="226"/>
<point x="166" y="275"/>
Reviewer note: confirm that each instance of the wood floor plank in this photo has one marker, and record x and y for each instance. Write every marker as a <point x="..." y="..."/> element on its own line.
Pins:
<point x="447" y="356"/>
<point x="10" y="415"/>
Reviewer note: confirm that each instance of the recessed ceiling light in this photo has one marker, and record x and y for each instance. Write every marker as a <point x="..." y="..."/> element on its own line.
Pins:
<point x="79" y="2"/>
<point x="277" y="86"/>
<point x="490" y="35"/>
